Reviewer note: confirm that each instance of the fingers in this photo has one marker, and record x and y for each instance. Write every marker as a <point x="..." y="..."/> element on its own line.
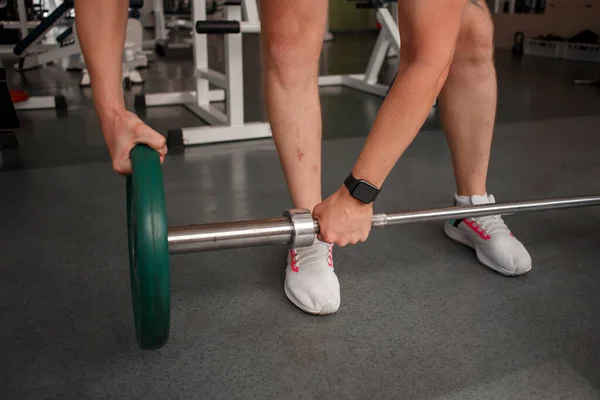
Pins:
<point x="140" y="133"/>
<point x="144" y="134"/>
<point x="342" y="240"/>
<point x="339" y="229"/>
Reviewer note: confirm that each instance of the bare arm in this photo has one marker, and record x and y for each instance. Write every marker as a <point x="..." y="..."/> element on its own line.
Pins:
<point x="101" y="27"/>
<point x="429" y="29"/>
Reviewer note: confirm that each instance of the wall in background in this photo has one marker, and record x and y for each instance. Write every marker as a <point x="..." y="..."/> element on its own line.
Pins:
<point x="561" y="17"/>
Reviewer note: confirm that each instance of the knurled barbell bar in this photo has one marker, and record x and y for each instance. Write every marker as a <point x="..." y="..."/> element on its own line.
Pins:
<point x="151" y="241"/>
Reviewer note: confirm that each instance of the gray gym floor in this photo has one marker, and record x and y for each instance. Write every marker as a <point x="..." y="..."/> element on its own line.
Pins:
<point x="420" y="317"/>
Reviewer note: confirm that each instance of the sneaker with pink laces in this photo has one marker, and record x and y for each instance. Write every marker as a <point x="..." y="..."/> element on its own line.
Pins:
<point x="495" y="245"/>
<point x="310" y="281"/>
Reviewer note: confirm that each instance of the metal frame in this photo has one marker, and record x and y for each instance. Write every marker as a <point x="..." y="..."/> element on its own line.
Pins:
<point x="22" y="17"/>
<point x="162" y="26"/>
<point x="228" y="125"/>
<point x="31" y="57"/>
<point x="388" y="43"/>
<point x="286" y="230"/>
<point x="393" y="7"/>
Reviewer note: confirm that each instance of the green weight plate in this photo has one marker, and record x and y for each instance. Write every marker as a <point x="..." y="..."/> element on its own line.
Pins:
<point x="148" y="249"/>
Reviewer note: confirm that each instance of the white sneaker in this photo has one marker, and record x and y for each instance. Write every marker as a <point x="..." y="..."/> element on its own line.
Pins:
<point x="496" y="247"/>
<point x="310" y="282"/>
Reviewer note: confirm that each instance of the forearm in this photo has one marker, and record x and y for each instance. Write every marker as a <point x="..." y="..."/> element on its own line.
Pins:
<point x="399" y="120"/>
<point x="101" y="27"/>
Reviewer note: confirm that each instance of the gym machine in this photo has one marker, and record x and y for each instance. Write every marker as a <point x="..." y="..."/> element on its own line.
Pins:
<point x="388" y="43"/>
<point x="30" y="56"/>
<point x="151" y="241"/>
<point x="17" y="17"/>
<point x="171" y="15"/>
<point x="240" y="17"/>
<point x="165" y="21"/>
<point x="68" y="45"/>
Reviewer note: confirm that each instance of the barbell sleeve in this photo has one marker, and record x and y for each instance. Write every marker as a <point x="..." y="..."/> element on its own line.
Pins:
<point x="230" y="235"/>
<point x="293" y="229"/>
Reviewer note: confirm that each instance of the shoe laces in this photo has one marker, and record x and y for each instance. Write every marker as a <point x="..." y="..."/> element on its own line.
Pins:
<point x="492" y="223"/>
<point x="314" y="256"/>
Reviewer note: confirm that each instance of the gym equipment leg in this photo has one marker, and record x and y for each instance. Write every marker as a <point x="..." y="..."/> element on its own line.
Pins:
<point x="388" y="39"/>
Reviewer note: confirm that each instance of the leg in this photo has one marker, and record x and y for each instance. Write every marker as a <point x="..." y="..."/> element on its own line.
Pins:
<point x="468" y="108"/>
<point x="468" y="100"/>
<point x="292" y="37"/>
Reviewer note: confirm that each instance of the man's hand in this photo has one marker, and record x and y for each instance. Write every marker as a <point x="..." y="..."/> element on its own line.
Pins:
<point x="122" y="131"/>
<point x="343" y="219"/>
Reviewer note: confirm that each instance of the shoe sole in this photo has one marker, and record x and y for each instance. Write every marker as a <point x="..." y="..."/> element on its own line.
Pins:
<point x="326" y="310"/>
<point x="460" y="237"/>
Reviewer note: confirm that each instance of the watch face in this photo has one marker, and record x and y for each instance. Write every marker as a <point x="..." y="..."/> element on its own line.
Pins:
<point x="365" y="192"/>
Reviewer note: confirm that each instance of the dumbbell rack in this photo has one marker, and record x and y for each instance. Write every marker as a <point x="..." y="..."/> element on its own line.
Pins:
<point x="223" y="126"/>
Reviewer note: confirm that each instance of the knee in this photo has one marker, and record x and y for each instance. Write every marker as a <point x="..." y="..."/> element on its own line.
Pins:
<point x="475" y="44"/>
<point x="291" y="54"/>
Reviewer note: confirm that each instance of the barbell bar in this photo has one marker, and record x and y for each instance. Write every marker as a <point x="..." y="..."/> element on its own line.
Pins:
<point x="151" y="241"/>
<point x="298" y="228"/>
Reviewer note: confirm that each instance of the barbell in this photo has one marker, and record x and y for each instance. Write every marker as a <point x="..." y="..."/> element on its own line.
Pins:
<point x="151" y="241"/>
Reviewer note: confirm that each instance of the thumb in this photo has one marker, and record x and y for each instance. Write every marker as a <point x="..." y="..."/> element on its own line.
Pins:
<point x="315" y="214"/>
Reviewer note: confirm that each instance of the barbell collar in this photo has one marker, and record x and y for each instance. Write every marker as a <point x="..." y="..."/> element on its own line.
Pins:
<point x="304" y="227"/>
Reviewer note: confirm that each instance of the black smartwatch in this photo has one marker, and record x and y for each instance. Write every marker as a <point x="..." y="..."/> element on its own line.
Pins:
<point x="361" y="190"/>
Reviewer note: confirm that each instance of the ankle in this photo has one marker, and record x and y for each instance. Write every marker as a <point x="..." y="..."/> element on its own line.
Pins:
<point x="471" y="191"/>
<point x="468" y="195"/>
<point x="467" y="198"/>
